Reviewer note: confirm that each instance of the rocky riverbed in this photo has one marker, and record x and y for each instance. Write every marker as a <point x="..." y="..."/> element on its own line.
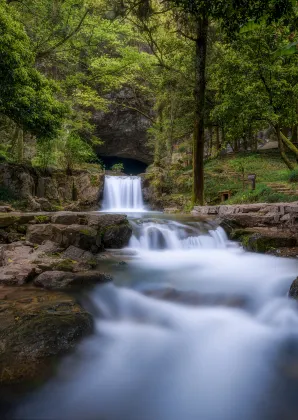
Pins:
<point x="45" y="259"/>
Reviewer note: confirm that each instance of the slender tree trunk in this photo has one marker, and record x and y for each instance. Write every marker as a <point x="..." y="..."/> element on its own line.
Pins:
<point x="217" y="139"/>
<point x="158" y="140"/>
<point x="200" y="92"/>
<point x="282" y="149"/>
<point x="20" y="147"/>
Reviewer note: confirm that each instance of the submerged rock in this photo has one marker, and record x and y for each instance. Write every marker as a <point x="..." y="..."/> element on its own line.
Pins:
<point x="194" y="298"/>
<point x="35" y="327"/>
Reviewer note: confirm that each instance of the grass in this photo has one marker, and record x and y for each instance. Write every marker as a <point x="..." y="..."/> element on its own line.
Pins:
<point x="228" y="173"/>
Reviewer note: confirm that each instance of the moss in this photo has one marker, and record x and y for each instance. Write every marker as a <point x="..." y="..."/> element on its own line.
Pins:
<point x="94" y="181"/>
<point x="92" y="262"/>
<point x="65" y="265"/>
<point x="22" y="228"/>
<point x="42" y="219"/>
<point x="257" y="242"/>
<point x="86" y="232"/>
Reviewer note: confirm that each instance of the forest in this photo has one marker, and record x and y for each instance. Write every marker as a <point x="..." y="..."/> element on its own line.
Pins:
<point x="210" y="78"/>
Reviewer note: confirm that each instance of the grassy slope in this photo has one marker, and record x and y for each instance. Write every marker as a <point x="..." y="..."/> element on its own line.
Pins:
<point x="225" y="173"/>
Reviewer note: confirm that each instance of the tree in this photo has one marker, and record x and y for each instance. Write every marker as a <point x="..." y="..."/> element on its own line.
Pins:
<point x="26" y="96"/>
<point x="232" y="15"/>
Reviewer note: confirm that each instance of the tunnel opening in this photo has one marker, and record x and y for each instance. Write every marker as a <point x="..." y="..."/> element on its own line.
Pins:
<point x="131" y="166"/>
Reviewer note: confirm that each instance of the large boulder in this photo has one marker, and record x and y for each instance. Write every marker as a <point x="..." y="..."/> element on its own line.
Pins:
<point x="83" y="237"/>
<point x="59" y="280"/>
<point x="36" y="326"/>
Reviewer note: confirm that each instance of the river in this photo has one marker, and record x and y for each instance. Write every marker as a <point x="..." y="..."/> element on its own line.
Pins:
<point x="192" y="328"/>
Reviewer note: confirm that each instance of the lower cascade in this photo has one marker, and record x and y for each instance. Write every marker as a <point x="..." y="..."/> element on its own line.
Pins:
<point x="193" y="327"/>
<point x="156" y="234"/>
<point x="123" y="194"/>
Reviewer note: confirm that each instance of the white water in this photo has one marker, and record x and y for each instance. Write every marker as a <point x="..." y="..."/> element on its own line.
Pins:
<point x="123" y="194"/>
<point x="154" y="360"/>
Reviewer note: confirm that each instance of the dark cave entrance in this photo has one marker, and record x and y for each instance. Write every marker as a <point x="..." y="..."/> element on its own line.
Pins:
<point x="131" y="166"/>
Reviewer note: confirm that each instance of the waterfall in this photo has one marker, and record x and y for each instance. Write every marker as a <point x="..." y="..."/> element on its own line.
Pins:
<point x="123" y="194"/>
<point x="156" y="234"/>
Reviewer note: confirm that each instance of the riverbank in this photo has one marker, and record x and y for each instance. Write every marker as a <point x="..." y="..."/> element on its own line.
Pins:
<point x="262" y="227"/>
<point x="46" y="261"/>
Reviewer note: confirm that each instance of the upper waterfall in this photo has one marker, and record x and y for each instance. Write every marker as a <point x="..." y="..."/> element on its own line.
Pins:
<point x="123" y="194"/>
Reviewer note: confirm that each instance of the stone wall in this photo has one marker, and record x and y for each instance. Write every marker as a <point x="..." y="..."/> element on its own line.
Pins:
<point x="254" y="215"/>
<point x="55" y="186"/>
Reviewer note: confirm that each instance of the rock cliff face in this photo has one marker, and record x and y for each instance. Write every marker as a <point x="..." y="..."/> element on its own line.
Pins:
<point x="25" y="182"/>
<point x="123" y="129"/>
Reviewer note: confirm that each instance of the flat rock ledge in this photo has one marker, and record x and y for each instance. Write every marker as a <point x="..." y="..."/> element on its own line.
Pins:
<point x="253" y="215"/>
<point x="264" y="228"/>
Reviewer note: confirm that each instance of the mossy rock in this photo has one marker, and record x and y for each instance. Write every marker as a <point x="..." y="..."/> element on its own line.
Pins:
<point x="42" y="219"/>
<point x="262" y="242"/>
<point x="36" y="326"/>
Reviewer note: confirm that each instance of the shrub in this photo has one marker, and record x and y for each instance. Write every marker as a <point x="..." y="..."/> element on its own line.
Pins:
<point x="293" y="177"/>
<point x="118" y="167"/>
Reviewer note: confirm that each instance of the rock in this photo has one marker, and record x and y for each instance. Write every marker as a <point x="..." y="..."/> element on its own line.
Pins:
<point x="59" y="280"/>
<point x="6" y="209"/>
<point x="44" y="204"/>
<point x="2" y="256"/>
<point x="83" y="237"/>
<point x="123" y="130"/>
<point x="33" y="204"/>
<point x="77" y="254"/>
<point x="67" y="218"/>
<point x="194" y="298"/>
<point x="36" y="326"/>
<point x="116" y="236"/>
<point x="294" y="289"/>
<point x="17" y="274"/>
<point x="264" y="240"/>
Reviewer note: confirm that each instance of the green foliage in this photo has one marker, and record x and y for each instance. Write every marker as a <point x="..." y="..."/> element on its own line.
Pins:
<point x="26" y="96"/>
<point x="293" y="176"/>
<point x="262" y="194"/>
<point x="74" y="151"/>
<point x="6" y="194"/>
<point x="118" y="167"/>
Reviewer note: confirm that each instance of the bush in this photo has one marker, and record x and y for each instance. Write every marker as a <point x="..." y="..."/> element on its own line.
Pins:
<point x="118" y="167"/>
<point x="293" y="177"/>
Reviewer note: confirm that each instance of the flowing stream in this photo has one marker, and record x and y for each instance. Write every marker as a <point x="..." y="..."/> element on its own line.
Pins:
<point x="193" y="328"/>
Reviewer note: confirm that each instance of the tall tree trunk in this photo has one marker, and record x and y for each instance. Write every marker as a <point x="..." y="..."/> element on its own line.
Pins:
<point x="200" y="92"/>
<point x="282" y="149"/>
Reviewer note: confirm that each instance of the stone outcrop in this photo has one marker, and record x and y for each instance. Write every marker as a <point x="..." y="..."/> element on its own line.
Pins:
<point x="264" y="228"/>
<point x="43" y="192"/>
<point x="253" y="215"/>
<point x="36" y="326"/>
<point x="124" y="129"/>
<point x="86" y="230"/>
